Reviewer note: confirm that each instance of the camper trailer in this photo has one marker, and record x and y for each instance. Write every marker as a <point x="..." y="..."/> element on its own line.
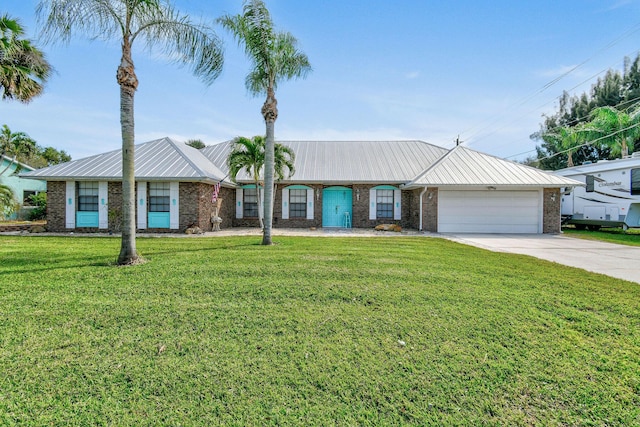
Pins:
<point x="610" y="196"/>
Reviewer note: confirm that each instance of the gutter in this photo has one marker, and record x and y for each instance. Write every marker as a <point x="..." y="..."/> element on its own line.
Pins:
<point x="421" y="194"/>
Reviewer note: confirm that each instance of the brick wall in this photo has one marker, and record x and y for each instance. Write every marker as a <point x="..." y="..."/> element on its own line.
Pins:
<point x="430" y="210"/>
<point x="551" y="221"/>
<point x="298" y="222"/>
<point x="56" y="206"/>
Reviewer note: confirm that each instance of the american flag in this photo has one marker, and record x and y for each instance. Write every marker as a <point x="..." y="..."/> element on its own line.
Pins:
<point x="216" y="191"/>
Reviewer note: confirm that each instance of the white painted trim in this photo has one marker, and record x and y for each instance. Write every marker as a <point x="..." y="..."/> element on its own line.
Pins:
<point x="310" y="203"/>
<point x="239" y="201"/>
<point x="397" y="204"/>
<point x="141" y="205"/>
<point x="103" y="204"/>
<point x="285" y="203"/>
<point x="174" y="205"/>
<point x="70" y="205"/>
<point x="372" y="204"/>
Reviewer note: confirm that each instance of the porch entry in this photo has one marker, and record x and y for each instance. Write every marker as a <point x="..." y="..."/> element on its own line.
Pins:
<point x="337" y="204"/>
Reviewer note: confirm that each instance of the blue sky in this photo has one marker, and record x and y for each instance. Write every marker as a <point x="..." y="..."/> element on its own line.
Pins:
<point x="382" y="70"/>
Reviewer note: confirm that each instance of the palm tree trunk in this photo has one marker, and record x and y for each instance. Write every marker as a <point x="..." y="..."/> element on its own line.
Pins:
<point x="260" y="209"/>
<point x="270" y="114"/>
<point x="128" y="84"/>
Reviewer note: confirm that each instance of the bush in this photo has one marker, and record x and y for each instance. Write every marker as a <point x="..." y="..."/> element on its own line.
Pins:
<point x="39" y="201"/>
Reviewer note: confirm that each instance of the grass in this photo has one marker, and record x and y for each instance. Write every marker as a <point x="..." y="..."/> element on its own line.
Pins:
<point x="629" y="237"/>
<point x="311" y="331"/>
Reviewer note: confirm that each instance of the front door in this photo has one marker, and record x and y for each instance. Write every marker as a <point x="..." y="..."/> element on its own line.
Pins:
<point x="337" y="203"/>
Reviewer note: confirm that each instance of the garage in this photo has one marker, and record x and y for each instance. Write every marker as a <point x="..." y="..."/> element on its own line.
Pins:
<point x="489" y="211"/>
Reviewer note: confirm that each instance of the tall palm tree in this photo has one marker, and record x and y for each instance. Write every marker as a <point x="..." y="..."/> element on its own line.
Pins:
<point x="156" y="24"/>
<point x="249" y="155"/>
<point x="615" y="128"/>
<point x="14" y="144"/>
<point x="23" y="67"/>
<point x="275" y="57"/>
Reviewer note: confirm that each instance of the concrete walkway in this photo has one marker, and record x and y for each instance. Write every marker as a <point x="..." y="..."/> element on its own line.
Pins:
<point x="613" y="260"/>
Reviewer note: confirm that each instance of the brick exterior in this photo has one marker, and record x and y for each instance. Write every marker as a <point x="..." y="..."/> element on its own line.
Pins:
<point x="551" y="219"/>
<point x="430" y="210"/>
<point x="196" y="208"/>
<point x="56" y="195"/>
<point x="298" y="222"/>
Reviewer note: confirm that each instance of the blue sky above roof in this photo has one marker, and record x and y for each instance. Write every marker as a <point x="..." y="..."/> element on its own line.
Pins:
<point x="383" y="70"/>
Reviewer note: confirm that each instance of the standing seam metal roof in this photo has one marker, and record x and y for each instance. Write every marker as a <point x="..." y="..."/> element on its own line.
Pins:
<point x="162" y="159"/>
<point x="342" y="161"/>
<point x="463" y="166"/>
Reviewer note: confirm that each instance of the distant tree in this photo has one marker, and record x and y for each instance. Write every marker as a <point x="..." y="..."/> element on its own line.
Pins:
<point x="156" y="24"/>
<point x="23" y="68"/>
<point x="196" y="143"/>
<point x="13" y="145"/>
<point x="275" y="57"/>
<point x="249" y="155"/>
<point x="53" y="156"/>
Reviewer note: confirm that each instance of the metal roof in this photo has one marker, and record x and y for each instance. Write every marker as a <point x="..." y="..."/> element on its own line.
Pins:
<point x="348" y="161"/>
<point x="465" y="167"/>
<point x="161" y="159"/>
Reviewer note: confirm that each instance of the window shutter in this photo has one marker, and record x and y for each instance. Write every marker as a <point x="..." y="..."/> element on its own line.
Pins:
<point x="70" y="205"/>
<point x="372" y="204"/>
<point x="174" y="205"/>
<point x="397" y="204"/>
<point x="239" y="198"/>
<point x="103" y="204"/>
<point x="141" y="207"/>
<point x="310" y="203"/>
<point x="285" y="203"/>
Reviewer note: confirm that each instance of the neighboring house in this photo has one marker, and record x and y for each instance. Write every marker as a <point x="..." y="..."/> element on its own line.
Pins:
<point x="22" y="188"/>
<point x="336" y="184"/>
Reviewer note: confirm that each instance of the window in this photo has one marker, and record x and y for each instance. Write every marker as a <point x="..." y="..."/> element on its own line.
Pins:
<point x="26" y="197"/>
<point x="159" y="196"/>
<point x="635" y="181"/>
<point x="298" y="203"/>
<point x="384" y="204"/>
<point x="590" y="184"/>
<point x="250" y="203"/>
<point x="87" y="196"/>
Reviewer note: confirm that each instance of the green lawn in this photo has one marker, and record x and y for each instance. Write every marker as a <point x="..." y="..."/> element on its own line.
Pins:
<point x="311" y="331"/>
<point x="614" y="235"/>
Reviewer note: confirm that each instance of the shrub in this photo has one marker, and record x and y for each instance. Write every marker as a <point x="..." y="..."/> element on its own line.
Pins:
<point x="39" y="202"/>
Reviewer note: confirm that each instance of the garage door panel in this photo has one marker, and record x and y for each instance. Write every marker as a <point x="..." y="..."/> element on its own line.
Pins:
<point x="489" y="212"/>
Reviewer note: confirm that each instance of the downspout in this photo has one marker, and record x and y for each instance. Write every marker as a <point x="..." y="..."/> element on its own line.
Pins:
<point x="421" y="194"/>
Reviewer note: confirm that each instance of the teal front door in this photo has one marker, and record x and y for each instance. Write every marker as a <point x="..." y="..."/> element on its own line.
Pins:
<point x="337" y="202"/>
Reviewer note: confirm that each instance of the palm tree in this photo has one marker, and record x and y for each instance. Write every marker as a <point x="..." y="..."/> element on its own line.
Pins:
<point x="615" y="128"/>
<point x="14" y="144"/>
<point x="275" y="57"/>
<point x="569" y="138"/>
<point x="249" y="155"/>
<point x="156" y="24"/>
<point x="7" y="202"/>
<point x="23" y="68"/>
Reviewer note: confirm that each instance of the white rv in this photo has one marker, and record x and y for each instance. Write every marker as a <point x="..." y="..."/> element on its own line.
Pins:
<point x="609" y="198"/>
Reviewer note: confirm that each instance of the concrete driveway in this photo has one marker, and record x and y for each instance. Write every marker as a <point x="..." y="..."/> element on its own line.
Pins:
<point x="613" y="260"/>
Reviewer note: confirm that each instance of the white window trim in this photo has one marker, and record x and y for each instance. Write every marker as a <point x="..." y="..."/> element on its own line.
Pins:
<point x="141" y="206"/>
<point x="70" y="205"/>
<point x="239" y="202"/>
<point x="174" y="205"/>
<point x="285" y="203"/>
<point x="103" y="204"/>
<point x="397" y="203"/>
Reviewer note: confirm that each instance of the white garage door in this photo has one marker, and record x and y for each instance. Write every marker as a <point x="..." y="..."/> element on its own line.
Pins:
<point x="489" y="212"/>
